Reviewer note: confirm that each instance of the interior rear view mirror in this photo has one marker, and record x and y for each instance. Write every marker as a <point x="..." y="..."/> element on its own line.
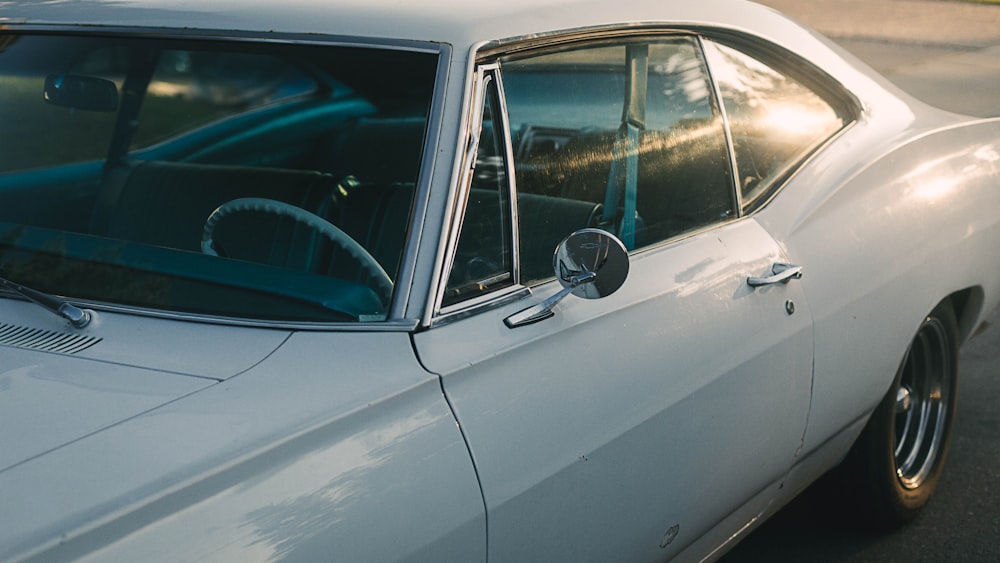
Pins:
<point x="86" y="93"/>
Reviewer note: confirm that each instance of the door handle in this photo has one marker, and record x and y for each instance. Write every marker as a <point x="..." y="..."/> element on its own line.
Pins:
<point x="782" y="273"/>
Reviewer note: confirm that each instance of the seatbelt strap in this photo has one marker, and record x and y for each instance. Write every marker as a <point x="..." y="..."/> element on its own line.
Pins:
<point x="633" y="121"/>
<point x="631" y="185"/>
<point x="626" y="148"/>
<point x="612" y="192"/>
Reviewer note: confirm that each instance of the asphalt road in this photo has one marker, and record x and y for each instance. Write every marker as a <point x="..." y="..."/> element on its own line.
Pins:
<point x="947" y="54"/>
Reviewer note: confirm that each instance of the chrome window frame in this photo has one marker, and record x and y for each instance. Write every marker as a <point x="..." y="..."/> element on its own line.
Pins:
<point x="780" y="58"/>
<point x="486" y="76"/>
<point x="720" y="105"/>
<point x="486" y="58"/>
<point x="487" y="55"/>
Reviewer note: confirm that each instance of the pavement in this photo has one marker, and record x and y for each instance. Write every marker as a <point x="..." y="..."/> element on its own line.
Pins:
<point x="944" y="52"/>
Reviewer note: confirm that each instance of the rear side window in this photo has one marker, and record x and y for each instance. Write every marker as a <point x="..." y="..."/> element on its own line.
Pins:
<point x="775" y="120"/>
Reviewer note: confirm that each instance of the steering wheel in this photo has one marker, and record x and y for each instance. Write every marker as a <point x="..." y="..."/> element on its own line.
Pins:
<point x="368" y="263"/>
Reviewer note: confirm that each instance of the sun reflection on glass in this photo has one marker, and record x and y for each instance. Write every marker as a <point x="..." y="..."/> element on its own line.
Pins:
<point x="798" y="120"/>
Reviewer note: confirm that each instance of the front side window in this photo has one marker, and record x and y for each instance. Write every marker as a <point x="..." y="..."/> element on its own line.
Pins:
<point x="621" y="136"/>
<point x="483" y="257"/>
<point x="241" y="179"/>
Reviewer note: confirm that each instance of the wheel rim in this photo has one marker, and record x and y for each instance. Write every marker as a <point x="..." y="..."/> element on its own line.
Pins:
<point x="922" y="400"/>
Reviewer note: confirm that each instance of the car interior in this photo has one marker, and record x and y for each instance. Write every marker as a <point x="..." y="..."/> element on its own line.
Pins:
<point x="336" y="138"/>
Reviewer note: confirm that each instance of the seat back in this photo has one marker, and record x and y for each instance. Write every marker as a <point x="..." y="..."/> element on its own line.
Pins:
<point x="381" y="150"/>
<point x="382" y="156"/>
<point x="545" y="221"/>
<point x="167" y="203"/>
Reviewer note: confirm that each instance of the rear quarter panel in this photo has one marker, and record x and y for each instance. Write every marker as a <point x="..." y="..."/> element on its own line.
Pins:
<point x="882" y="240"/>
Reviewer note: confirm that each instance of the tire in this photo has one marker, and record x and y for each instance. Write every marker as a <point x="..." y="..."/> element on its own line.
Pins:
<point x="900" y="455"/>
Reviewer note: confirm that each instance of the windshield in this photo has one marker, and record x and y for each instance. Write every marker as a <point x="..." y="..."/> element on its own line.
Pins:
<point x="256" y="180"/>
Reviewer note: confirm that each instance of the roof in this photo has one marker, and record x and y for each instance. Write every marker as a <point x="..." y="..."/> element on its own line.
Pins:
<point x="462" y="24"/>
<point x="458" y="23"/>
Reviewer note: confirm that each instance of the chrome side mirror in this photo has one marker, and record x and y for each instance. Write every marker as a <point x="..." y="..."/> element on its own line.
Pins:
<point x="589" y="263"/>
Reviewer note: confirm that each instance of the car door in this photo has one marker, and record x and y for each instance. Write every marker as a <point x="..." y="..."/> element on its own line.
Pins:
<point x="623" y="428"/>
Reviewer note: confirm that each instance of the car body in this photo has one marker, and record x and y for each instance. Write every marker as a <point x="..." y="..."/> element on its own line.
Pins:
<point x="311" y="308"/>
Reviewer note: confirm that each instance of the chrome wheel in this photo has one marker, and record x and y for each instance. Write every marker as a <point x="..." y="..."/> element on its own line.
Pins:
<point x="922" y="400"/>
<point x="897" y="462"/>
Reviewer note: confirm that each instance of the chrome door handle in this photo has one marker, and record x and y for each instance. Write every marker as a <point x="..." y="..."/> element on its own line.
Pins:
<point x="783" y="273"/>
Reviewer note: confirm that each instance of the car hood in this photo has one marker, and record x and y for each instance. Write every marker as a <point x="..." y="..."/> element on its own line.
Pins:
<point x="58" y="385"/>
<point x="159" y="416"/>
<point x="47" y="401"/>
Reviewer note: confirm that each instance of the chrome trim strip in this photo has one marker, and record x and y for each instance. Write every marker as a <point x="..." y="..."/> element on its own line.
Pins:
<point x="480" y="304"/>
<point x="394" y="325"/>
<point x="485" y="75"/>
<point x="403" y="291"/>
<point x="467" y="159"/>
<point x="510" y="174"/>
<point x="555" y="39"/>
<point x="454" y="183"/>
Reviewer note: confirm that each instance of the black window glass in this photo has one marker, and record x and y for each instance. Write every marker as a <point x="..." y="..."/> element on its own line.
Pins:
<point x="263" y="180"/>
<point x="190" y="89"/>
<point x="38" y="130"/>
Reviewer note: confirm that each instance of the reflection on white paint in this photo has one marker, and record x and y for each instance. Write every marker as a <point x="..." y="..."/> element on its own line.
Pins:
<point x="935" y="189"/>
<point x="987" y="153"/>
<point x="335" y="479"/>
<point x="930" y="181"/>
<point x="939" y="177"/>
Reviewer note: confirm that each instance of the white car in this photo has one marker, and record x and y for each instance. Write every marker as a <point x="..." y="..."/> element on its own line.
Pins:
<point x="435" y="281"/>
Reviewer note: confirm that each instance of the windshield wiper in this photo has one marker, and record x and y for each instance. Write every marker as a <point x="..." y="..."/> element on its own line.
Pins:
<point x="76" y="316"/>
